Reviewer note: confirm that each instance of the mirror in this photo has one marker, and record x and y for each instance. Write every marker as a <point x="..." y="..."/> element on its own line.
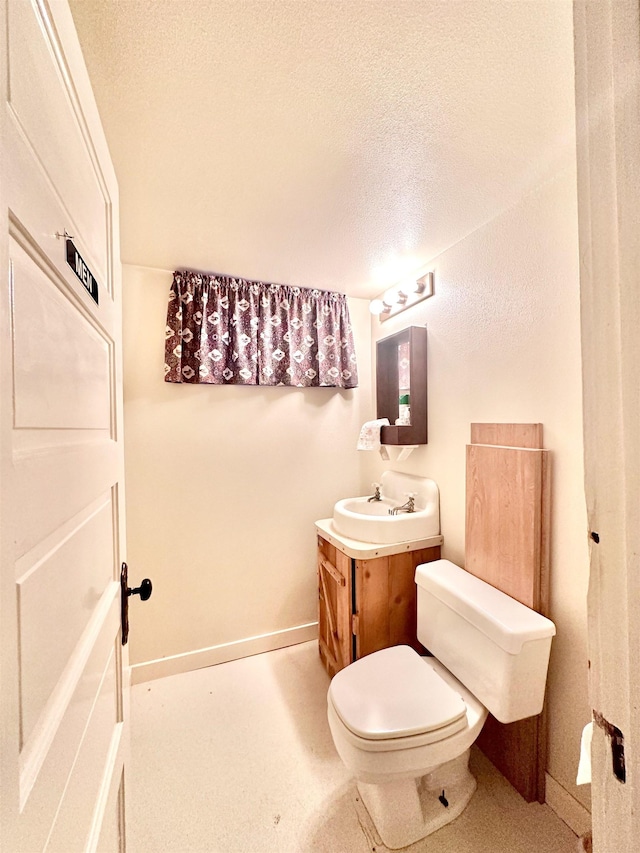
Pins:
<point x="401" y="386"/>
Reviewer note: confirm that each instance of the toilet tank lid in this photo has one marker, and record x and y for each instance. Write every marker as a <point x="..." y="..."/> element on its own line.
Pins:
<point x="507" y="622"/>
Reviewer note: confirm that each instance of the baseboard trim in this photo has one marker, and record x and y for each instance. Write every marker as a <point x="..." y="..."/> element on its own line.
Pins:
<point x="225" y="652"/>
<point x="568" y="809"/>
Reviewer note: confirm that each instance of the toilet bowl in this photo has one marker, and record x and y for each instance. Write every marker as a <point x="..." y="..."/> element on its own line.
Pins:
<point x="404" y="780"/>
<point x="404" y="724"/>
<point x="377" y="759"/>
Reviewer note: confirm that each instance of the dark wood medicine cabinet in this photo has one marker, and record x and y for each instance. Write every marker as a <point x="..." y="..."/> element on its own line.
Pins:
<point x="395" y="380"/>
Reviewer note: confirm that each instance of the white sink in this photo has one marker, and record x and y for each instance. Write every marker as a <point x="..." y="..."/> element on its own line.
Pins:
<point x="370" y="521"/>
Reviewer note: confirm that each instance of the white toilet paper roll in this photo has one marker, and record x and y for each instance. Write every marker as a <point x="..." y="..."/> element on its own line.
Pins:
<point x="584" y="765"/>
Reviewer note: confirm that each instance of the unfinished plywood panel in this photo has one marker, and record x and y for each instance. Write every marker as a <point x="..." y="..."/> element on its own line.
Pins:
<point x="507" y="435"/>
<point x="503" y="522"/>
<point x="507" y="545"/>
<point x="518" y="750"/>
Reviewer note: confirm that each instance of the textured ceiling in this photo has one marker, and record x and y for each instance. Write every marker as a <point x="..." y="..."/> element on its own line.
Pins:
<point x="319" y="143"/>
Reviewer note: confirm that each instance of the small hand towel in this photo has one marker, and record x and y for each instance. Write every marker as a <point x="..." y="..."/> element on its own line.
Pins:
<point x="369" y="438"/>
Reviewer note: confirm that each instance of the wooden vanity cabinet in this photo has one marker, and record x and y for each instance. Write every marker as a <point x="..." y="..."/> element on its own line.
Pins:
<point x="366" y="604"/>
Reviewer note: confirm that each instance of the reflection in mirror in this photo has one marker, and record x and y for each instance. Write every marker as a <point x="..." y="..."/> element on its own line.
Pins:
<point x="401" y="386"/>
<point x="404" y="385"/>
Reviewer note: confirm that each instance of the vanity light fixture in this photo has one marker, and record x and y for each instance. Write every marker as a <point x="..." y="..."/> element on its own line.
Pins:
<point x="401" y="297"/>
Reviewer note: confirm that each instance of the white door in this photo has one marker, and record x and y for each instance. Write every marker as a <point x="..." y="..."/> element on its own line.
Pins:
<point x="62" y="539"/>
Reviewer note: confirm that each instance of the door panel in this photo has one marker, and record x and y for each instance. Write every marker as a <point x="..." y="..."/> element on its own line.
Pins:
<point x="47" y="116"/>
<point x="84" y="784"/>
<point x="83" y="472"/>
<point x="47" y="760"/>
<point x="62" y="371"/>
<point x="62" y="588"/>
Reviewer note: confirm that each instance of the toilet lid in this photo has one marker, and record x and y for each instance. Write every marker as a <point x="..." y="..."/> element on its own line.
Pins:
<point x="393" y="693"/>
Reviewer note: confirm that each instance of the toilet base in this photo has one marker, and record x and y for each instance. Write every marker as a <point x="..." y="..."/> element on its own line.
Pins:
<point x="405" y="810"/>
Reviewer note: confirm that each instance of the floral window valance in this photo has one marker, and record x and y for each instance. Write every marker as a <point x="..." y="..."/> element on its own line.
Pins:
<point x="231" y="331"/>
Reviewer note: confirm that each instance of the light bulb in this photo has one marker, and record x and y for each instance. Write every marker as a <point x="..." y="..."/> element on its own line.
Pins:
<point x="425" y="284"/>
<point x="376" y="306"/>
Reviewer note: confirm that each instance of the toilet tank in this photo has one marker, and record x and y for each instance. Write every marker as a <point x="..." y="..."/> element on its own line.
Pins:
<point x="497" y="647"/>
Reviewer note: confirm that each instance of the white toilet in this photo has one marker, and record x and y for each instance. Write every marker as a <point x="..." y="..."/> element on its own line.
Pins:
<point x="404" y="724"/>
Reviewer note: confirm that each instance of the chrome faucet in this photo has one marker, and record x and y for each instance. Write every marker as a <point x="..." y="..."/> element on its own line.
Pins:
<point x="409" y="506"/>
<point x="377" y="496"/>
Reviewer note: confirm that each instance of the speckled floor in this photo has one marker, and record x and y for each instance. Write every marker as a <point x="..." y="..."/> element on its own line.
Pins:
<point x="238" y="758"/>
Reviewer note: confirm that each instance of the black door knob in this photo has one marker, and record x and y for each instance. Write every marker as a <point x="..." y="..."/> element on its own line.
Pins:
<point x="144" y="590"/>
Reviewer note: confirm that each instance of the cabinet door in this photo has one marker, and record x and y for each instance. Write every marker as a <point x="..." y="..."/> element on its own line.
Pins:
<point x="386" y="600"/>
<point x="334" y="607"/>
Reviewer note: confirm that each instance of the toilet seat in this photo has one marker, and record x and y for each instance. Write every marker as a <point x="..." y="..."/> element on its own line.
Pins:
<point x="393" y="699"/>
<point x="395" y="744"/>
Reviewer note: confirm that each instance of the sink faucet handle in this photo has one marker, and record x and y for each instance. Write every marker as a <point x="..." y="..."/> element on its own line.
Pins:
<point x="376" y="496"/>
<point x="411" y="503"/>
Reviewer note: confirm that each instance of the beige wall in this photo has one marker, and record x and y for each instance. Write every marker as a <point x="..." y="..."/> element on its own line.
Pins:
<point x="223" y="487"/>
<point x="504" y="345"/>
